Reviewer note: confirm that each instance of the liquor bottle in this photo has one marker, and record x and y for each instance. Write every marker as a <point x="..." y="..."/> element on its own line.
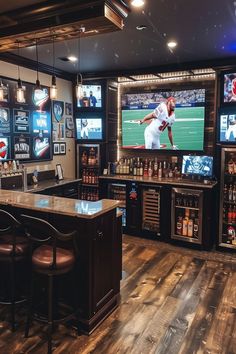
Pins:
<point x="131" y="167"/>
<point x="160" y="171"/>
<point x="150" y="169"/>
<point x="155" y="168"/>
<point x="195" y="228"/>
<point x="185" y="226"/>
<point x="190" y="228"/>
<point x="83" y="176"/>
<point x="141" y="169"/>
<point x="135" y="168"/>
<point x="233" y="215"/>
<point x="170" y="175"/>
<point x="234" y="193"/>
<point x="145" y="170"/>
<point x="138" y="167"/>
<point x="231" y="166"/>
<point x="179" y="225"/>
<point x="230" y="193"/>
<point x="225" y="192"/>
<point x="165" y="170"/>
<point x="234" y="168"/>
<point x="84" y="158"/>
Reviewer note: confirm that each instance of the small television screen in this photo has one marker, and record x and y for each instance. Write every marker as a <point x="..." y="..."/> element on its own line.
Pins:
<point x="186" y="120"/>
<point x="227" y="125"/>
<point x="91" y="97"/>
<point x="89" y="128"/>
<point x="197" y="165"/>
<point x="229" y="91"/>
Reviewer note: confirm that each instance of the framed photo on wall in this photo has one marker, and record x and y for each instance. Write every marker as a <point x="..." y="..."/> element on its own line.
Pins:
<point x="62" y="148"/>
<point x="56" y="149"/>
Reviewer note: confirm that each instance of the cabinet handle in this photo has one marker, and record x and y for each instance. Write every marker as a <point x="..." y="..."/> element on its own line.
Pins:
<point x="100" y="234"/>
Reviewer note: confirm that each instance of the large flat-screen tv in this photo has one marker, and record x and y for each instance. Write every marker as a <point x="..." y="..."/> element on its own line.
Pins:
<point x="228" y="88"/>
<point x="227" y="125"/>
<point x="197" y="165"/>
<point x="91" y="97"/>
<point x="187" y="127"/>
<point x="89" y="128"/>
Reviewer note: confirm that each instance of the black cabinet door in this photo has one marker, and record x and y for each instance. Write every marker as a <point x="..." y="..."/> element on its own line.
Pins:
<point x="103" y="260"/>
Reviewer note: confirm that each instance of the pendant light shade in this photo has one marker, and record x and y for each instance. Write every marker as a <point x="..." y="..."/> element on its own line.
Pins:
<point x="1" y="91"/>
<point x="79" y="86"/>
<point x="53" y="88"/>
<point x="20" y="92"/>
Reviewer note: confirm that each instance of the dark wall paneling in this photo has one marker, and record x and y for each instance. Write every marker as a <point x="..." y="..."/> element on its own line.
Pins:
<point x="112" y="120"/>
<point x="210" y="121"/>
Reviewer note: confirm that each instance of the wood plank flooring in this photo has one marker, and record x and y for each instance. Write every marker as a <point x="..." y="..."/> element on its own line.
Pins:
<point x="173" y="300"/>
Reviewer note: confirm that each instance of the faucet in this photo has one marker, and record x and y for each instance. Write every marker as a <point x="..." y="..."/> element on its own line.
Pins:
<point x="24" y="178"/>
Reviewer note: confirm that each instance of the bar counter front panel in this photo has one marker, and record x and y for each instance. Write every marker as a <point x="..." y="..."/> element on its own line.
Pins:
<point x="99" y="247"/>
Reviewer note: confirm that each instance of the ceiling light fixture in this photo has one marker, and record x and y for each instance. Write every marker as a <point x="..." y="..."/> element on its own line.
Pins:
<point x="20" y="93"/>
<point x="79" y="79"/>
<point x="1" y="91"/>
<point x="53" y="88"/>
<point x="172" y="44"/>
<point x="137" y="3"/>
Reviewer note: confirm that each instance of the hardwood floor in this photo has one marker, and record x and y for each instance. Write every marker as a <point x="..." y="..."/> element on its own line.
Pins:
<point x="173" y="300"/>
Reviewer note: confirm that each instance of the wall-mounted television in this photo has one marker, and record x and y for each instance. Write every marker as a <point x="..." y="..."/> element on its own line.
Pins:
<point x="187" y="127"/>
<point x="91" y="98"/>
<point x="228" y="88"/>
<point x="197" y="165"/>
<point x="89" y="128"/>
<point x="227" y="125"/>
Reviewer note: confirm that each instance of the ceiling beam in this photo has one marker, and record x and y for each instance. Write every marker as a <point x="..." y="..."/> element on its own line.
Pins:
<point x="60" y="19"/>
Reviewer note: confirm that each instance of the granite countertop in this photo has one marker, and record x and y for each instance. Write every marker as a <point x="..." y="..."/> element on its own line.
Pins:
<point x="162" y="181"/>
<point x="57" y="205"/>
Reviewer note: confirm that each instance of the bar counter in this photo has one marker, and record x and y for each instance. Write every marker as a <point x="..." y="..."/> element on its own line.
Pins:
<point x="57" y="205"/>
<point x="99" y="243"/>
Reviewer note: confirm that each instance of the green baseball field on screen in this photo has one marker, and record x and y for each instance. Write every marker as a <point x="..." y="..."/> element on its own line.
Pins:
<point x="188" y="129"/>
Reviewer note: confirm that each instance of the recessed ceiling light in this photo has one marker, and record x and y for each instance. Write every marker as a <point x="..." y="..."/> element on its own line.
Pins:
<point x="72" y="58"/>
<point x="172" y="44"/>
<point x="141" y="27"/>
<point x="137" y="3"/>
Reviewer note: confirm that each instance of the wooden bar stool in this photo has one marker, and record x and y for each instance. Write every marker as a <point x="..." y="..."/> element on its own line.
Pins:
<point x="49" y="259"/>
<point x="14" y="248"/>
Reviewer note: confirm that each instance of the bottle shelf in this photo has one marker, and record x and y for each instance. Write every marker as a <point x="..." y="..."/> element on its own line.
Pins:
<point x="230" y="175"/>
<point x="229" y="223"/>
<point x="186" y="238"/>
<point x="89" y="166"/>
<point x="89" y="185"/>
<point x="227" y="245"/>
<point x="185" y="207"/>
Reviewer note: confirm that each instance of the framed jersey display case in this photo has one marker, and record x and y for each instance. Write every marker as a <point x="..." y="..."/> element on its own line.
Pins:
<point x="25" y="128"/>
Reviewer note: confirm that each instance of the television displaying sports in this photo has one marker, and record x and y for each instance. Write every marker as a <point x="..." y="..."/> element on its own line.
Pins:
<point x="229" y="94"/>
<point x="89" y="128"/>
<point x="197" y="165"/>
<point x="91" y="98"/>
<point x="164" y="120"/>
<point x="227" y="125"/>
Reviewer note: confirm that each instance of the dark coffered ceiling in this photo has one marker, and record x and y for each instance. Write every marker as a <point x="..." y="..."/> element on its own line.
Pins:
<point x="205" y="31"/>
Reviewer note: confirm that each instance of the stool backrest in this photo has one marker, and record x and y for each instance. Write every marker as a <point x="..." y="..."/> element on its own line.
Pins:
<point x="8" y="223"/>
<point x="41" y="231"/>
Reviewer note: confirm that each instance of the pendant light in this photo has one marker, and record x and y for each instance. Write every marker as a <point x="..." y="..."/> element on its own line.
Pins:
<point x="79" y="79"/>
<point x="53" y="88"/>
<point x="37" y="85"/>
<point x="1" y="91"/>
<point x="20" y="93"/>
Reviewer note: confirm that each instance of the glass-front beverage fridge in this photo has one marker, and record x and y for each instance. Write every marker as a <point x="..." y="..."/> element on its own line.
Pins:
<point x="186" y="211"/>
<point x="227" y="216"/>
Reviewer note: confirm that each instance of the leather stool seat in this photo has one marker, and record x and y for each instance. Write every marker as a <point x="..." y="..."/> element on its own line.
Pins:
<point x="6" y="245"/>
<point x="42" y="258"/>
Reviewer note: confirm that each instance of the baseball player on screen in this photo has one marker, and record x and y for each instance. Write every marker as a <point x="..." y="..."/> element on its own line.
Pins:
<point x="231" y="127"/>
<point x="161" y="118"/>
